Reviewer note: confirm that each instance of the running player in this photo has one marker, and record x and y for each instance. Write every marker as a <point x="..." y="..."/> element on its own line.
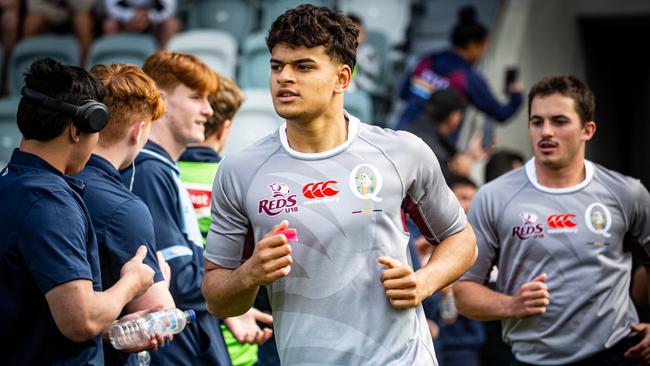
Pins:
<point x="556" y="229"/>
<point x="344" y="292"/>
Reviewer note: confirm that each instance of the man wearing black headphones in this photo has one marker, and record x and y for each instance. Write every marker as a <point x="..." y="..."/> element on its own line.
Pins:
<point x="51" y="298"/>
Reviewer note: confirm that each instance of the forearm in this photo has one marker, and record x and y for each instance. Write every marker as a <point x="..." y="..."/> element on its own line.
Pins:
<point x="227" y="292"/>
<point x="158" y="293"/>
<point x="451" y="258"/>
<point x="478" y="302"/>
<point x="107" y="306"/>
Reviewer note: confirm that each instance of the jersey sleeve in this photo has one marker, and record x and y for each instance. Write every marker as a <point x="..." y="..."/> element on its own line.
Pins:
<point x="131" y="226"/>
<point x="53" y="241"/>
<point x="429" y="201"/>
<point x="230" y="225"/>
<point x="639" y="215"/>
<point x="481" y="218"/>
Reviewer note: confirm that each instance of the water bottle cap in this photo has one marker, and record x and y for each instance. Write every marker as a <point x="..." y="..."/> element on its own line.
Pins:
<point x="290" y="233"/>
<point x="192" y="314"/>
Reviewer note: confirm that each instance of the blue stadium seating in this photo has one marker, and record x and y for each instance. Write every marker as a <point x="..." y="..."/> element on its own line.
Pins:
<point x="271" y="9"/>
<point x="64" y="49"/>
<point x="216" y="48"/>
<point x="255" y="119"/>
<point x="254" y="64"/>
<point x="9" y="134"/>
<point x="236" y="17"/>
<point x="124" y="48"/>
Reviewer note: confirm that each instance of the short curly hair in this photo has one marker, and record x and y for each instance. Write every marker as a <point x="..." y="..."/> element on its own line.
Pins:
<point x="311" y="26"/>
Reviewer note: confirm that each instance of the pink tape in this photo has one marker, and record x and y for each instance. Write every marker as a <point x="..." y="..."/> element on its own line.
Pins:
<point x="291" y="234"/>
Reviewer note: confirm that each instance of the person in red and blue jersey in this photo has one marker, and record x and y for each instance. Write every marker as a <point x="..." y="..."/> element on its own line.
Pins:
<point x="454" y="69"/>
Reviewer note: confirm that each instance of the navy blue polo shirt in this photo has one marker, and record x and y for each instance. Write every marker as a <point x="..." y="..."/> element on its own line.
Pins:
<point x="122" y="223"/>
<point x="156" y="181"/>
<point x="46" y="240"/>
<point x="201" y="154"/>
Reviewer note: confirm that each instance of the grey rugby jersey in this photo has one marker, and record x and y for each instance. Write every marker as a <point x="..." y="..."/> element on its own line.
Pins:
<point x="347" y="206"/>
<point x="575" y="235"/>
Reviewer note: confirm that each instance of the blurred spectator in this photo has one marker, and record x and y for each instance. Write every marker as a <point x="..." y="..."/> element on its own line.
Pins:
<point x="494" y="351"/>
<point x="461" y="338"/>
<point x="137" y="16"/>
<point x="443" y="115"/>
<point x="502" y="162"/>
<point x="454" y="69"/>
<point x="48" y="15"/>
<point x="198" y="166"/>
<point x="366" y="73"/>
<point x="10" y="10"/>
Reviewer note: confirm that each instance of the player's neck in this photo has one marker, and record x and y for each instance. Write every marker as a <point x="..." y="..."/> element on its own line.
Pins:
<point x="118" y="155"/>
<point x="55" y="152"/>
<point x="323" y="133"/>
<point x="563" y="177"/>
<point x="165" y="138"/>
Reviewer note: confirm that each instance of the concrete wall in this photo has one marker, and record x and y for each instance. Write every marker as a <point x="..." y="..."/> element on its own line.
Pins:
<point x="542" y="38"/>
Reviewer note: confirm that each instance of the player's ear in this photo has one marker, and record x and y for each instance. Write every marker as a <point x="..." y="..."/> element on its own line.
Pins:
<point x="588" y="130"/>
<point x="343" y="77"/>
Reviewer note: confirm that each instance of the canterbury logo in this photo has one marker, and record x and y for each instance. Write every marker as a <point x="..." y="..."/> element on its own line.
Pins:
<point x="561" y="221"/>
<point x="320" y="189"/>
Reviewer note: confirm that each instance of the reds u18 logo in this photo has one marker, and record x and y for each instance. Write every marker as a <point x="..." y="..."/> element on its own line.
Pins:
<point x="282" y="201"/>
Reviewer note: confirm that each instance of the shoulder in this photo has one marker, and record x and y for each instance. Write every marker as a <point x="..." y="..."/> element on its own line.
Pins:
<point x="246" y="162"/>
<point x="388" y="139"/>
<point x="502" y="189"/>
<point x="618" y="184"/>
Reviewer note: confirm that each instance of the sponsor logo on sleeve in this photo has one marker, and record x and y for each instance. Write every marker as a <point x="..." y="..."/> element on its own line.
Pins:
<point x="281" y="201"/>
<point x="529" y="228"/>
<point x="320" y="192"/>
<point x="562" y="223"/>
<point x="598" y="220"/>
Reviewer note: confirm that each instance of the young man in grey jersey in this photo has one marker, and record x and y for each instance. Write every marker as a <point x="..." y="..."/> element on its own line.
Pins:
<point x="343" y="293"/>
<point x="556" y="229"/>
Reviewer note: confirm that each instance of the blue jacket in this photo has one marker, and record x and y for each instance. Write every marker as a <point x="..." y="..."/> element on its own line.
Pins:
<point x="447" y="69"/>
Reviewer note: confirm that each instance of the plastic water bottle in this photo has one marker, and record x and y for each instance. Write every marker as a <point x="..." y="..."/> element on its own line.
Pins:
<point x="136" y="332"/>
<point x="448" y="311"/>
<point x="143" y="358"/>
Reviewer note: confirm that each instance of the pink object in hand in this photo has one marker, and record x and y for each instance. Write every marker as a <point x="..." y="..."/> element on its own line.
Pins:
<point x="291" y="234"/>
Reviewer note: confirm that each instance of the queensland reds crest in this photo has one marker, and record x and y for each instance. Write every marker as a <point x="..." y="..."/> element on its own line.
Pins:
<point x="282" y="200"/>
<point x="529" y="228"/>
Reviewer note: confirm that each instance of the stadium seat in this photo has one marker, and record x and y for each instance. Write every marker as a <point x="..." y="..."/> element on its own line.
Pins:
<point x="271" y="9"/>
<point x="387" y="16"/>
<point x="359" y="104"/>
<point x="255" y="119"/>
<point x="124" y="48"/>
<point x="216" y="48"/>
<point x="254" y="67"/>
<point x="64" y="49"/>
<point x="9" y="134"/>
<point x="236" y="17"/>
<point x="381" y="47"/>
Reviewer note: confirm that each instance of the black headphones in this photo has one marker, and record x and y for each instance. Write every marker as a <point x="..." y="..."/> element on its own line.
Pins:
<point x="91" y="116"/>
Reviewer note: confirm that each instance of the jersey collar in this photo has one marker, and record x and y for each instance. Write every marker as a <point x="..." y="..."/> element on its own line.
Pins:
<point x="532" y="176"/>
<point x="353" y="130"/>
